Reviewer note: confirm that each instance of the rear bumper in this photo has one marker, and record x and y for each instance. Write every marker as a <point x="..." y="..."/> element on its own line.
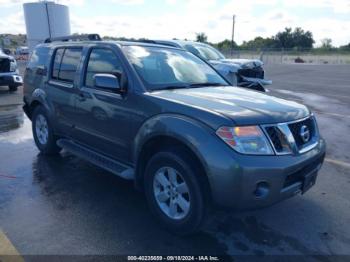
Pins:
<point x="253" y="182"/>
<point x="10" y="79"/>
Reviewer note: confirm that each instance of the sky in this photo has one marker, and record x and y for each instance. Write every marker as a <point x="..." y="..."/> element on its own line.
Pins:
<point x="167" y="19"/>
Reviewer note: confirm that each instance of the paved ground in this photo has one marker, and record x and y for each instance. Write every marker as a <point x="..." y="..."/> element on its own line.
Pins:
<point x="63" y="205"/>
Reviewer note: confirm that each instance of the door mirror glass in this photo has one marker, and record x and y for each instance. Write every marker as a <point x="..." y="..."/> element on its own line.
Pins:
<point x="107" y="81"/>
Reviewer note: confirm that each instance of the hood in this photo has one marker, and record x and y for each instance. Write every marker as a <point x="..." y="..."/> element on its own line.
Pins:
<point x="233" y="65"/>
<point x="242" y="106"/>
<point x="3" y="55"/>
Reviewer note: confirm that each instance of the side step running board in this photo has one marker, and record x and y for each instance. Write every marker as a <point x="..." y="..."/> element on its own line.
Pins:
<point x="102" y="161"/>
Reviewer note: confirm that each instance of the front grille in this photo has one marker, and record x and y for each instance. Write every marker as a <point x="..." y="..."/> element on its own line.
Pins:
<point x="287" y="138"/>
<point x="272" y="131"/>
<point x="295" y="129"/>
<point x="256" y="72"/>
<point x="4" y="65"/>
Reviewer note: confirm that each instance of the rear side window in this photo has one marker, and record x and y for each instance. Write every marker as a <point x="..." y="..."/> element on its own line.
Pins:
<point x="65" y="64"/>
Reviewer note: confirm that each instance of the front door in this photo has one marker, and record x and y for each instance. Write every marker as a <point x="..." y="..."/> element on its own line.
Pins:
<point x="102" y="117"/>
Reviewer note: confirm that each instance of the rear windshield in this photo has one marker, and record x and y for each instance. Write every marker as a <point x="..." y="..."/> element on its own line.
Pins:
<point x="161" y="68"/>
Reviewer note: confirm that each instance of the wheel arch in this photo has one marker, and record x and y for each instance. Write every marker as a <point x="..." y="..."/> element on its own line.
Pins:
<point x="38" y="99"/>
<point x="166" y="142"/>
<point x="169" y="131"/>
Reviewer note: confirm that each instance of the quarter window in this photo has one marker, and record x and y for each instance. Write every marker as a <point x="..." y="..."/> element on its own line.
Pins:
<point x="57" y="63"/>
<point x="102" y="61"/>
<point x="66" y="63"/>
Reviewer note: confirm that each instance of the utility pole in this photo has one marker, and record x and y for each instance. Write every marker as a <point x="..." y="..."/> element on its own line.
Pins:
<point x="233" y="34"/>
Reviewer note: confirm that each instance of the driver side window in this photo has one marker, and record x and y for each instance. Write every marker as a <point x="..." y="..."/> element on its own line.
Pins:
<point x="102" y="61"/>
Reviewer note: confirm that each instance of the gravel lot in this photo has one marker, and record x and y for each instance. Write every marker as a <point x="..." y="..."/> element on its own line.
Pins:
<point x="66" y="206"/>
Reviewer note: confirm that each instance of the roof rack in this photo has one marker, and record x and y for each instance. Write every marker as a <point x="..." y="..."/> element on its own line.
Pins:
<point x="87" y="37"/>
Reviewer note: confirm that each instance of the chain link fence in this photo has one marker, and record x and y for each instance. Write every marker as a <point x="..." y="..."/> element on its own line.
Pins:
<point x="283" y="56"/>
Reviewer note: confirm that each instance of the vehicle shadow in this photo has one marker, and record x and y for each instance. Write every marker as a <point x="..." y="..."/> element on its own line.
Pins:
<point x="283" y="229"/>
<point x="95" y="212"/>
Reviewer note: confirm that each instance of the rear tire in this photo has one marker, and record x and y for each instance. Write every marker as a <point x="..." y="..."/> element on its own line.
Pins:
<point x="43" y="134"/>
<point x="174" y="192"/>
<point x="13" y="88"/>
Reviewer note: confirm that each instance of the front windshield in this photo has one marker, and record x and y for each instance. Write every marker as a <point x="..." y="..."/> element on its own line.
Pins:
<point x="163" y="68"/>
<point x="205" y="52"/>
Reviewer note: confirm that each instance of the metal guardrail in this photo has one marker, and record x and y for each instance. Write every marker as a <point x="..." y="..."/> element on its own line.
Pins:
<point x="291" y="56"/>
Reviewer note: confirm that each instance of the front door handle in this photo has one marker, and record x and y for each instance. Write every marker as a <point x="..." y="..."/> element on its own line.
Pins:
<point x="81" y="97"/>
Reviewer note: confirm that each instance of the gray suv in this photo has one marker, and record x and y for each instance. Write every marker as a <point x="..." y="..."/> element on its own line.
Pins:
<point x="164" y="118"/>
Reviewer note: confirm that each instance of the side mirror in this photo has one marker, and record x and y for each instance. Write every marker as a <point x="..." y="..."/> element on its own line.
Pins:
<point x="107" y="81"/>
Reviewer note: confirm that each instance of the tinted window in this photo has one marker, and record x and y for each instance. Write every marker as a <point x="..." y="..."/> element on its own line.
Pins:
<point x="69" y="64"/>
<point x="102" y="61"/>
<point x="162" y="68"/>
<point x="204" y="51"/>
<point x="39" y="57"/>
<point x="57" y="63"/>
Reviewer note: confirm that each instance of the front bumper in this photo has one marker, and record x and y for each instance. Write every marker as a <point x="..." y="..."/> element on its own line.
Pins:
<point x="10" y="79"/>
<point x="257" y="81"/>
<point x="281" y="177"/>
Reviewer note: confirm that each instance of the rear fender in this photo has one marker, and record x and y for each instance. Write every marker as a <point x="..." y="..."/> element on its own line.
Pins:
<point x="39" y="96"/>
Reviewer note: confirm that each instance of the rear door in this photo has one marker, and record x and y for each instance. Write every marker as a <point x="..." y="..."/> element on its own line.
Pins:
<point x="102" y="119"/>
<point x="61" y="86"/>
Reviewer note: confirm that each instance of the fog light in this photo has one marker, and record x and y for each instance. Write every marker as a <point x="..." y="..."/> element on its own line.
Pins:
<point x="262" y="190"/>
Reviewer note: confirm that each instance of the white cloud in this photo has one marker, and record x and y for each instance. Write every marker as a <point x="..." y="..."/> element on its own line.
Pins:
<point x="209" y="16"/>
<point x="171" y="2"/>
<point x="13" y="23"/>
<point x="128" y="2"/>
<point x="6" y="3"/>
<point x="338" y="6"/>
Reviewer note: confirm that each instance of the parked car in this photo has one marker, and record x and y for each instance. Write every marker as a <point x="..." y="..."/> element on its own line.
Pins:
<point x="9" y="75"/>
<point x="172" y="124"/>
<point x="239" y="72"/>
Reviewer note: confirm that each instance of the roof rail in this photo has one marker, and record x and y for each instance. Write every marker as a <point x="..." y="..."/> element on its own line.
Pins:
<point x="87" y="37"/>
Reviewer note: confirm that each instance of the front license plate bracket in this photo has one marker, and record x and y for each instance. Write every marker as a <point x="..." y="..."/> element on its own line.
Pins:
<point x="309" y="181"/>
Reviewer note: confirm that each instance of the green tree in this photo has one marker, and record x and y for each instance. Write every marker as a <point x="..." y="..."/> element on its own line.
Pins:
<point x="326" y="43"/>
<point x="345" y="47"/>
<point x="260" y="43"/>
<point x="226" y="45"/>
<point x="201" y="37"/>
<point x="298" y="39"/>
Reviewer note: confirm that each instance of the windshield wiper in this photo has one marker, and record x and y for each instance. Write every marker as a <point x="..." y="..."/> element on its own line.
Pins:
<point x="206" y="84"/>
<point x="171" y="87"/>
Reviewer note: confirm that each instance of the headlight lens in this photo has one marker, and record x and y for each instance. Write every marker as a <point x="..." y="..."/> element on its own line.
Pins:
<point x="246" y="139"/>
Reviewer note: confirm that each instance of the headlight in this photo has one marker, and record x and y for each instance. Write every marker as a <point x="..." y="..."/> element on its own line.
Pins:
<point x="13" y="66"/>
<point x="246" y="140"/>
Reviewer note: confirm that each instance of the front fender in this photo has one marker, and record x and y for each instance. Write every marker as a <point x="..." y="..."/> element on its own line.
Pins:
<point x="215" y="156"/>
<point x="190" y="132"/>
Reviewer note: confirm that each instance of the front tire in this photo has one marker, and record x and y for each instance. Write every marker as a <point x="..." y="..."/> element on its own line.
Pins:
<point x="43" y="134"/>
<point x="174" y="192"/>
